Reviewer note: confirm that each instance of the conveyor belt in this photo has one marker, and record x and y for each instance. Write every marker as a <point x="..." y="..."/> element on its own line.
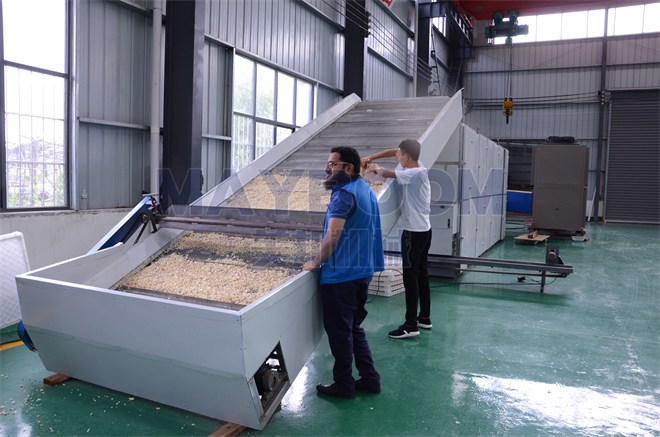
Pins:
<point x="456" y="263"/>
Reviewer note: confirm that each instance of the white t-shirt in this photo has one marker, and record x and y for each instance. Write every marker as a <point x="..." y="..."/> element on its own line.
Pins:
<point x="416" y="191"/>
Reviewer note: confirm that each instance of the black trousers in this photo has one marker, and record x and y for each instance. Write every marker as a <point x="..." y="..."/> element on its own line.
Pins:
<point x="414" y="253"/>
<point x="343" y="313"/>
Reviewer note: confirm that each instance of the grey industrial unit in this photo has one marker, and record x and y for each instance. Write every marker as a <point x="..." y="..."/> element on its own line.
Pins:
<point x="209" y="359"/>
<point x="560" y="187"/>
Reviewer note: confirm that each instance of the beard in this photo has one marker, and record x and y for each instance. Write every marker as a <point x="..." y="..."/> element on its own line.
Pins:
<point x="335" y="179"/>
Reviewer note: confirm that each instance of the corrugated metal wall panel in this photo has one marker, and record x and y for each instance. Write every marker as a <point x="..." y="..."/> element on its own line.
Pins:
<point x="215" y="120"/>
<point x="536" y="123"/>
<point x="642" y="76"/>
<point x="632" y="49"/>
<point x="330" y="8"/>
<point x="384" y="82"/>
<point x="214" y="162"/>
<point x="325" y="98"/>
<point x="113" y="55"/>
<point x="526" y="56"/>
<point x="571" y="74"/>
<point x="633" y="165"/>
<point x="388" y="38"/>
<point x="525" y="85"/>
<point x="113" y="167"/>
<point x="114" y="46"/>
<point x="285" y="32"/>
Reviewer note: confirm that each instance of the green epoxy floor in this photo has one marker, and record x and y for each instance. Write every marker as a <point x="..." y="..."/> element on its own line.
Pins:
<point x="502" y="359"/>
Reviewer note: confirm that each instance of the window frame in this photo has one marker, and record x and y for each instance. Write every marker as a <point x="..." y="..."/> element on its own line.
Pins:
<point x="66" y="110"/>
<point x="611" y="25"/>
<point x="274" y="123"/>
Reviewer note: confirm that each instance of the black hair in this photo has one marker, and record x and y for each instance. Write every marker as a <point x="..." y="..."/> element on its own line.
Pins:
<point x="412" y="148"/>
<point x="349" y="155"/>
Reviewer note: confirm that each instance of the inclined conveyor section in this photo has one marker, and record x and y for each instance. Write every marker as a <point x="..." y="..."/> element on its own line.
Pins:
<point x="232" y="363"/>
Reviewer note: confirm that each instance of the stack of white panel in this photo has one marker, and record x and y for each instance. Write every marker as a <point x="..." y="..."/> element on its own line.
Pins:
<point x="13" y="261"/>
<point x="390" y="281"/>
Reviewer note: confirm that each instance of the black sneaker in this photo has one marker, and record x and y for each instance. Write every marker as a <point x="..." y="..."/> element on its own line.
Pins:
<point x="362" y="385"/>
<point x="404" y="331"/>
<point x="424" y="323"/>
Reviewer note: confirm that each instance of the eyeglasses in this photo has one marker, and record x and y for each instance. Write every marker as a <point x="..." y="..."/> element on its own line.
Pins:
<point x="331" y="164"/>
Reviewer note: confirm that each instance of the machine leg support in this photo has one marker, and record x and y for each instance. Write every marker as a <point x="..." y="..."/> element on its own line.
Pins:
<point x="227" y="430"/>
<point x="542" y="281"/>
<point x="56" y="379"/>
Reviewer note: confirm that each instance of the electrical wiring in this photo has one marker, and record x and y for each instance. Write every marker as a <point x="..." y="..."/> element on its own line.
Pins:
<point x="536" y="98"/>
<point x="395" y="50"/>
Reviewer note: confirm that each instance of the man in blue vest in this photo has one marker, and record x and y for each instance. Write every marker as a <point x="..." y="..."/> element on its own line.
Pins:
<point x="351" y="252"/>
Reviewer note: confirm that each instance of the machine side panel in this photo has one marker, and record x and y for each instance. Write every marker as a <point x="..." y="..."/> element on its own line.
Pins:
<point x="223" y="396"/>
<point x="469" y="192"/>
<point x="107" y="266"/>
<point x="444" y="177"/>
<point x="140" y="325"/>
<point x="291" y="316"/>
<point x="191" y="356"/>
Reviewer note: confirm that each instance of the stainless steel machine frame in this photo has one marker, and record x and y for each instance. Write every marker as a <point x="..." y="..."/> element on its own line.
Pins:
<point x="200" y="358"/>
<point x="232" y="364"/>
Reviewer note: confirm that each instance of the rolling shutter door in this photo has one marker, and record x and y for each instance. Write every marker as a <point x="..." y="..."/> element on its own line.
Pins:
<point x="633" y="165"/>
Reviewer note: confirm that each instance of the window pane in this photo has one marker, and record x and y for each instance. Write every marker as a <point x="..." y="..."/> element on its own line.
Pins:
<point x="651" y="20"/>
<point x="242" y="143"/>
<point x="548" y="27"/>
<point x="629" y="20"/>
<point x="264" y="141"/>
<point x="531" y="34"/>
<point x="596" y="23"/>
<point x="42" y="43"/>
<point x="265" y="92"/>
<point x="285" y="98"/>
<point x="574" y="25"/>
<point x="282" y="133"/>
<point x="303" y="103"/>
<point x="243" y="85"/>
<point x="34" y="136"/>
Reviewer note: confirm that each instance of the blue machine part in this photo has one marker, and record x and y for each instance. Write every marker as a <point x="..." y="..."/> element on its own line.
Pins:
<point x="25" y="337"/>
<point x="519" y="201"/>
<point x="143" y="213"/>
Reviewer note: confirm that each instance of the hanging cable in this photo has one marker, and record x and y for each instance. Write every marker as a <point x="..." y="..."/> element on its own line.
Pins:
<point x="358" y="19"/>
<point x="507" y="103"/>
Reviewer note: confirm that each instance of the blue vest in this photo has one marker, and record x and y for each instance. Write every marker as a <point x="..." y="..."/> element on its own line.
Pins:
<point x="359" y="251"/>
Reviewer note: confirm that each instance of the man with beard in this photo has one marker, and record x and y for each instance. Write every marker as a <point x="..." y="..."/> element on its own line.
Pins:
<point x="351" y="252"/>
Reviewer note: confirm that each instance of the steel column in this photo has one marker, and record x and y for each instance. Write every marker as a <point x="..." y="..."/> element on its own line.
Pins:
<point x="181" y="174"/>
<point x="354" y="47"/>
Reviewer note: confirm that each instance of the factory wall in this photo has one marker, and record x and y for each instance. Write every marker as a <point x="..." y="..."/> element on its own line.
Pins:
<point x="110" y="94"/>
<point x="112" y="83"/>
<point x="55" y="236"/>
<point x="300" y="36"/>
<point x="390" y="57"/>
<point x="110" y="104"/>
<point x="555" y="88"/>
<point x="111" y="90"/>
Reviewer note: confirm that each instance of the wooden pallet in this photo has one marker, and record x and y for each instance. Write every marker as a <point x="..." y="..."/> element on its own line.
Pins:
<point x="531" y="238"/>
<point x="228" y="430"/>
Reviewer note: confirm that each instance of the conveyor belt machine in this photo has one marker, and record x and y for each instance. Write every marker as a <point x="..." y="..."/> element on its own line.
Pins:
<point x="230" y="362"/>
